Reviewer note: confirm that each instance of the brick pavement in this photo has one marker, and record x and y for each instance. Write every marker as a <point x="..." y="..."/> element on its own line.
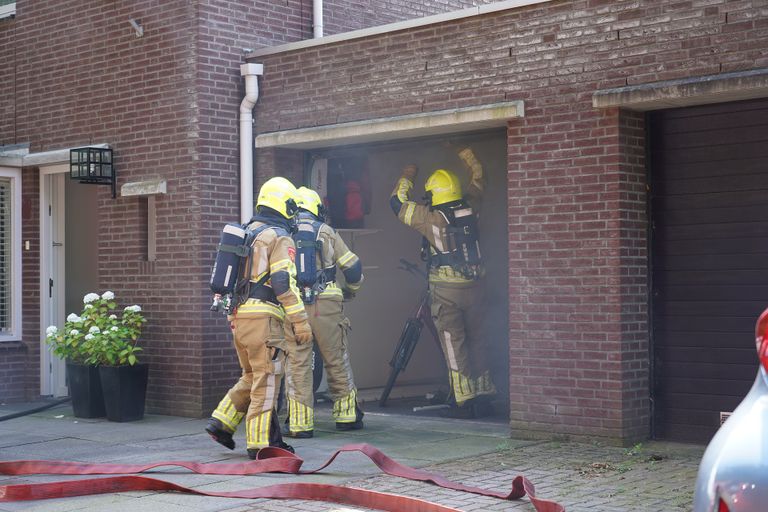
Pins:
<point x="650" y="477"/>
<point x="584" y="477"/>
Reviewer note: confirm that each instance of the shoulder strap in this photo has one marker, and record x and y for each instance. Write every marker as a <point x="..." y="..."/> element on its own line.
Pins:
<point x="251" y="235"/>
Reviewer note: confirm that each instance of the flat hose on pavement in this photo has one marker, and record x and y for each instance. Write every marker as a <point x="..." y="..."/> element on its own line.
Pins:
<point x="270" y="460"/>
<point x="34" y="410"/>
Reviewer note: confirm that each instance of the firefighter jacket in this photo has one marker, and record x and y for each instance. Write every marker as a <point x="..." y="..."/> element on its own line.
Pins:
<point x="432" y="223"/>
<point x="273" y="289"/>
<point x="333" y="255"/>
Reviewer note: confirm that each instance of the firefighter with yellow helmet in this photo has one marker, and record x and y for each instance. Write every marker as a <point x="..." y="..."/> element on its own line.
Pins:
<point x="448" y="224"/>
<point x="321" y="253"/>
<point x="258" y="324"/>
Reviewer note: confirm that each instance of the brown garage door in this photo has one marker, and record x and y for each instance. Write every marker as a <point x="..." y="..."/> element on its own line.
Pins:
<point x="709" y="211"/>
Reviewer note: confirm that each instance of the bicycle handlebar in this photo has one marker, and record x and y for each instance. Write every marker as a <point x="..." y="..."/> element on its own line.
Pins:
<point x="411" y="267"/>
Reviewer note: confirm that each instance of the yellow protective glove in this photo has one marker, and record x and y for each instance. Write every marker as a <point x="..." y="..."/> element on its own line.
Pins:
<point x="470" y="161"/>
<point x="302" y="332"/>
<point x="409" y="172"/>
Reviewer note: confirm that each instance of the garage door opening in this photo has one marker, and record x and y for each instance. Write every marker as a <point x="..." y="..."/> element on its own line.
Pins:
<point x="357" y="183"/>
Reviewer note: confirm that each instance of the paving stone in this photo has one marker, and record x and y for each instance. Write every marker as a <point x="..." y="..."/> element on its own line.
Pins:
<point x="588" y="477"/>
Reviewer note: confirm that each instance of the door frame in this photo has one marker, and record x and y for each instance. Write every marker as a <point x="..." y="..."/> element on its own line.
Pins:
<point x="52" y="369"/>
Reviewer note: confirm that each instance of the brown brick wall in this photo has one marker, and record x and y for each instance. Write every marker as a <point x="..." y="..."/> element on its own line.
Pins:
<point x="168" y="103"/>
<point x="577" y="220"/>
<point x="82" y="76"/>
<point x="30" y="283"/>
<point x="225" y="29"/>
<point x="345" y="15"/>
<point x="633" y="274"/>
<point x="7" y="86"/>
<point x="14" y="356"/>
<point x="235" y="24"/>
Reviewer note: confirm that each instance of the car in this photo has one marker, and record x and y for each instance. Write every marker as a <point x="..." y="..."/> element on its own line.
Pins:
<point x="733" y="474"/>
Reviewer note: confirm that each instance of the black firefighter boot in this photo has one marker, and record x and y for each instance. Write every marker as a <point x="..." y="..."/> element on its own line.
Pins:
<point x="219" y="433"/>
<point x="275" y="438"/>
<point x="478" y="407"/>
<point x="300" y="434"/>
<point x="353" y="425"/>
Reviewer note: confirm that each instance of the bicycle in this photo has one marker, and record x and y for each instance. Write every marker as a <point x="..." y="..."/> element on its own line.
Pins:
<point x="411" y="332"/>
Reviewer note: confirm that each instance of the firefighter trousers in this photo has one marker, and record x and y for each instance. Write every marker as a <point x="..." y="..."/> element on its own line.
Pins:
<point x="331" y="331"/>
<point x="458" y="313"/>
<point x="260" y="344"/>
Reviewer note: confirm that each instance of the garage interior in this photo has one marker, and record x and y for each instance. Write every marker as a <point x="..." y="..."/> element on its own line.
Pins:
<point x="390" y="294"/>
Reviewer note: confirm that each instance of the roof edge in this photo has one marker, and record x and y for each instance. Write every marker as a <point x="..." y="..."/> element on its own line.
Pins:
<point x="393" y="27"/>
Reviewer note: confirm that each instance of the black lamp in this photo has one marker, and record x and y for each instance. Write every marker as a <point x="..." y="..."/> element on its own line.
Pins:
<point x="93" y="165"/>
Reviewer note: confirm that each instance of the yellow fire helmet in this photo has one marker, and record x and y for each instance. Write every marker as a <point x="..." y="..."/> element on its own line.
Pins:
<point x="309" y="200"/>
<point x="279" y="194"/>
<point x="444" y="187"/>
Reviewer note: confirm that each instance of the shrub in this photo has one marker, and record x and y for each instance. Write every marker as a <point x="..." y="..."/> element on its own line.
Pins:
<point x="97" y="336"/>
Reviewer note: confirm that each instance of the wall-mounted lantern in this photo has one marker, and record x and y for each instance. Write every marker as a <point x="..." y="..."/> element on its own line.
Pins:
<point x="93" y="165"/>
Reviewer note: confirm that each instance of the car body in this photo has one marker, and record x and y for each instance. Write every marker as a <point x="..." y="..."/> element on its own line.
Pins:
<point x="733" y="474"/>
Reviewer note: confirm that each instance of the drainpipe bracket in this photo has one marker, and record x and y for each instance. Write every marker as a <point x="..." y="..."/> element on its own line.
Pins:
<point x="251" y="69"/>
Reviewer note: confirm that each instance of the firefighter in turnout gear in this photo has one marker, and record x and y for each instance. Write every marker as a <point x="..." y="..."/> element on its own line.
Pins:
<point x="450" y="245"/>
<point x="258" y="324"/>
<point x="320" y="253"/>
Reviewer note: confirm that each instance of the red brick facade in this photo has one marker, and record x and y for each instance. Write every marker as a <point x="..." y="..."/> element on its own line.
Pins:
<point x="225" y="29"/>
<point x="576" y="175"/>
<point x="167" y="103"/>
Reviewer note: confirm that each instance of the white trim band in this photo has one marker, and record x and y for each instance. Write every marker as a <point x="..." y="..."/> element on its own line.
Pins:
<point x="395" y="27"/>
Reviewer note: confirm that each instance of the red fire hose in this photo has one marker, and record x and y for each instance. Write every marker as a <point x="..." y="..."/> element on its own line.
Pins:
<point x="270" y="460"/>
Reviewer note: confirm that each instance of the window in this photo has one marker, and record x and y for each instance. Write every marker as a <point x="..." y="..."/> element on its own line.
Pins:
<point x="7" y="8"/>
<point x="10" y="254"/>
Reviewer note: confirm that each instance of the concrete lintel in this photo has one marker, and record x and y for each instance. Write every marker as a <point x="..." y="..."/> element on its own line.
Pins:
<point x="143" y="188"/>
<point x="11" y="161"/>
<point x="57" y="156"/>
<point x="740" y="85"/>
<point x="414" y="125"/>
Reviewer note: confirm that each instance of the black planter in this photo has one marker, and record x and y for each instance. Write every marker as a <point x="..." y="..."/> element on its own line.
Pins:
<point x="85" y="389"/>
<point x="125" y="389"/>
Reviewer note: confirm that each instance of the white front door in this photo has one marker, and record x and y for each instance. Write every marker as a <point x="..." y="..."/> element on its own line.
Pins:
<point x="52" y="272"/>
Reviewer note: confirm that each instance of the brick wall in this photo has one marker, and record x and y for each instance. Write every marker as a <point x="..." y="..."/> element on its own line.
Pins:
<point x="133" y="93"/>
<point x="225" y="29"/>
<point x="30" y="284"/>
<point x="8" y="58"/>
<point x="13" y="355"/>
<point x="345" y="15"/>
<point x="633" y="274"/>
<point x="167" y="102"/>
<point x="577" y="220"/>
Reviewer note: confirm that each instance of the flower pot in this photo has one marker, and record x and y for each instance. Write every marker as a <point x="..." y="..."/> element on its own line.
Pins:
<point x="125" y="390"/>
<point x="85" y="389"/>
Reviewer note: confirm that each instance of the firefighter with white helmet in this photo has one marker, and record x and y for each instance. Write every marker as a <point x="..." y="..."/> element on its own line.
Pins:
<point x="321" y="253"/>
<point x="450" y="245"/>
<point x="258" y="324"/>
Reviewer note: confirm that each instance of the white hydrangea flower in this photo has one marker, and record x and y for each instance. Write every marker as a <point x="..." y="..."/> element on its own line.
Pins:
<point x="52" y="329"/>
<point x="114" y="328"/>
<point x="74" y="332"/>
<point x="90" y="298"/>
<point x="107" y="295"/>
<point x="135" y="308"/>
<point x="94" y="330"/>
<point x="74" y="318"/>
<point x="88" y="306"/>
<point x="113" y="317"/>
<point x="89" y="337"/>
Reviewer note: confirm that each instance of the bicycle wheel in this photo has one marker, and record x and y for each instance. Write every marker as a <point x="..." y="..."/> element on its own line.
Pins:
<point x="317" y="367"/>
